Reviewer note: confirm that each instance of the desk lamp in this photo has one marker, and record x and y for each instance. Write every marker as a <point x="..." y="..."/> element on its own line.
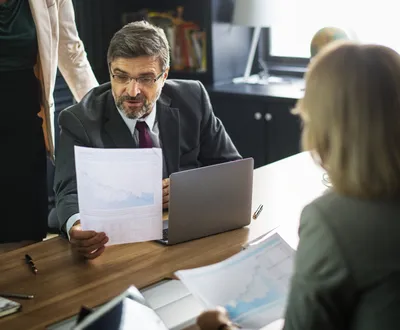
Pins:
<point x="253" y="13"/>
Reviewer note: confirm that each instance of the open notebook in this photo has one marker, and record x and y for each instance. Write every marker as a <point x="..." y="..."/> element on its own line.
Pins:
<point x="8" y="306"/>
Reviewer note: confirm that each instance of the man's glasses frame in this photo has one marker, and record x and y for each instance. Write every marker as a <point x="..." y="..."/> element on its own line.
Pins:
<point x="125" y="79"/>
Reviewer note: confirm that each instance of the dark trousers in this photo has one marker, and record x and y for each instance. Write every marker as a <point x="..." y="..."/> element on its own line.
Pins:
<point x="23" y="159"/>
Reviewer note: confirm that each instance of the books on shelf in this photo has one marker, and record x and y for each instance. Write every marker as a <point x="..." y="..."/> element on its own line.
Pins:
<point x="187" y="40"/>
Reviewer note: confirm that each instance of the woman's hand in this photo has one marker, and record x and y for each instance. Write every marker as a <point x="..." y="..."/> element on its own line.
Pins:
<point x="217" y="319"/>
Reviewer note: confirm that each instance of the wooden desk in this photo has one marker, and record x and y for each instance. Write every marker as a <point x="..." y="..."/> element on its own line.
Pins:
<point x="64" y="282"/>
<point x="284" y="188"/>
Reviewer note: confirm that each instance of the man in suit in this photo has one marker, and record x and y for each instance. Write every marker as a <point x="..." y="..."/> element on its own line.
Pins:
<point x="138" y="108"/>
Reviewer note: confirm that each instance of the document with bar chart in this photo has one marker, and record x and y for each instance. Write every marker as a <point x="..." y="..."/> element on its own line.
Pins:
<point x="120" y="192"/>
<point x="252" y="285"/>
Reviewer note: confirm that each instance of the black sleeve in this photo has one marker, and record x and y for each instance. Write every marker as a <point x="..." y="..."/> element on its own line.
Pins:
<point x="216" y="145"/>
<point x="72" y="133"/>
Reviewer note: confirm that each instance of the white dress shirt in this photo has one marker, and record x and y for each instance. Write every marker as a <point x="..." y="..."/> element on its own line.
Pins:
<point x="131" y="123"/>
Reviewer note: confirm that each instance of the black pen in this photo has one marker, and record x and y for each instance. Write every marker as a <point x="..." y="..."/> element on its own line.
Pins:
<point x="258" y="211"/>
<point x="29" y="261"/>
<point x="16" y="295"/>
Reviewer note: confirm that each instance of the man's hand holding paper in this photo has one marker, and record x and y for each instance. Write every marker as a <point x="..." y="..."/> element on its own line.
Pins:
<point x="88" y="243"/>
<point x="91" y="244"/>
<point x="165" y="185"/>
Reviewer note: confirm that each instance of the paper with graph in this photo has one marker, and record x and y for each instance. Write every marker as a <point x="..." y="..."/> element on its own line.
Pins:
<point x="120" y="192"/>
<point x="252" y="285"/>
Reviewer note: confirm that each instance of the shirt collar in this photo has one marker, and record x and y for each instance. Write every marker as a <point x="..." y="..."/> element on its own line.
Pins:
<point x="131" y="123"/>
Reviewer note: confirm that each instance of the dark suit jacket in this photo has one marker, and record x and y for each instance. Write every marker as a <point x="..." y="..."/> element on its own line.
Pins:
<point x="190" y="134"/>
<point x="347" y="272"/>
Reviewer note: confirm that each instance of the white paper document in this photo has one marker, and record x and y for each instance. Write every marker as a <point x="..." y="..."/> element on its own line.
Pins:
<point x="252" y="285"/>
<point x="120" y="192"/>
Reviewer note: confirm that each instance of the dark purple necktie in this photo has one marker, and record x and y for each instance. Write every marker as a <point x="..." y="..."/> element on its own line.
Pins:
<point x="144" y="135"/>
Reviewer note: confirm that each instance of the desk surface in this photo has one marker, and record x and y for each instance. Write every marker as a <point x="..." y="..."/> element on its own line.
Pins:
<point x="65" y="282"/>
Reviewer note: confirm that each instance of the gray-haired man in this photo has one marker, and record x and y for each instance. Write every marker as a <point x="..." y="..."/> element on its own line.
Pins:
<point x="138" y="108"/>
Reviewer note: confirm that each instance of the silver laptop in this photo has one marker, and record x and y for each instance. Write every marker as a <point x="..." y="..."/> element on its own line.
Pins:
<point x="209" y="200"/>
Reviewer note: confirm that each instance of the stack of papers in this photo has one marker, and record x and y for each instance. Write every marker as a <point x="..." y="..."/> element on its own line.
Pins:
<point x="253" y="285"/>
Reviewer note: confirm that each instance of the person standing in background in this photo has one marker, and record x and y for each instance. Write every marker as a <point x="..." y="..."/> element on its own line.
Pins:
<point x="36" y="37"/>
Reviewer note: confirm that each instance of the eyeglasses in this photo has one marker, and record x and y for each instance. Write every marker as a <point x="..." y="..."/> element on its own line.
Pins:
<point x="125" y="79"/>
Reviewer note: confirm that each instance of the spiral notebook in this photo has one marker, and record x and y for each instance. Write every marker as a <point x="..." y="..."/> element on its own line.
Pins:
<point x="8" y="306"/>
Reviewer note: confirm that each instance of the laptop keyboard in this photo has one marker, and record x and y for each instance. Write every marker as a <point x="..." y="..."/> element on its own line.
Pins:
<point x="165" y="234"/>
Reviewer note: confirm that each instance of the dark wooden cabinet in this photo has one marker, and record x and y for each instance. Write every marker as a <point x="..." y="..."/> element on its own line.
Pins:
<point x="244" y="122"/>
<point x="260" y="124"/>
<point x="282" y="130"/>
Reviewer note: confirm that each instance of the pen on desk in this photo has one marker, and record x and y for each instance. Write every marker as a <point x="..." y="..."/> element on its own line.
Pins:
<point x="31" y="264"/>
<point x="16" y="295"/>
<point x="258" y="211"/>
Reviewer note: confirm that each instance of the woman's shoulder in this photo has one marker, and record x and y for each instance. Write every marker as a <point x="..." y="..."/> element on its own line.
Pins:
<point x="327" y="203"/>
<point x="328" y="199"/>
<point x="332" y="202"/>
<point x="343" y="216"/>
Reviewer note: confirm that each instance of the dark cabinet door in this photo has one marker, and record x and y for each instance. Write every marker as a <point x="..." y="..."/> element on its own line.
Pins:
<point x="243" y="119"/>
<point x="282" y="130"/>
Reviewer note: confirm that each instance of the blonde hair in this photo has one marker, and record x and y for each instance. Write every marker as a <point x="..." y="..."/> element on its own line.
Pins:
<point x="351" y="117"/>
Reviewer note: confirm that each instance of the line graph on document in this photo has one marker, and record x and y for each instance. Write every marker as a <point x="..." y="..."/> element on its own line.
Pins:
<point x="114" y="188"/>
<point x="267" y="281"/>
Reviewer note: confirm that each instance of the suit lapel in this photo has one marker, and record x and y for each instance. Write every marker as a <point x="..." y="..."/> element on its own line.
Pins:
<point x="115" y="126"/>
<point x="168" y="124"/>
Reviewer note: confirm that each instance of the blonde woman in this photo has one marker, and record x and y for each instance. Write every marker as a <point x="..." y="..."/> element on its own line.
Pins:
<point x="36" y="38"/>
<point x="347" y="271"/>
